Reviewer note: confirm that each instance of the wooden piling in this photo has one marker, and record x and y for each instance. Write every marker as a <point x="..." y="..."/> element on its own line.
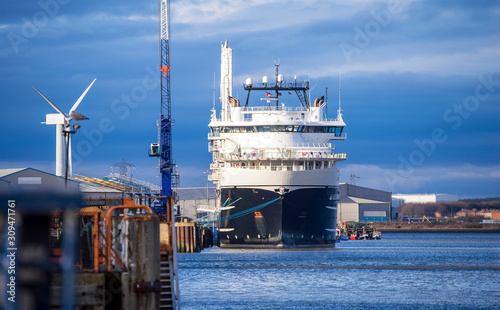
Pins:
<point x="187" y="237"/>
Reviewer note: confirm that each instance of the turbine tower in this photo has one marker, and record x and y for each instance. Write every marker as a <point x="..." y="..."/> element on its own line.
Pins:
<point x="63" y="124"/>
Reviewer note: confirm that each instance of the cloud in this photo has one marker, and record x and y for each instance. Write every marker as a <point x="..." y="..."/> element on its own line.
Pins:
<point x="428" y="179"/>
<point x="396" y="89"/>
<point x="258" y="16"/>
<point x="133" y="17"/>
<point x="458" y="63"/>
<point x="413" y="41"/>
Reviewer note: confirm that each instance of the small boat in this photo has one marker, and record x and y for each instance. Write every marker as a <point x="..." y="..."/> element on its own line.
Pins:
<point x="353" y="237"/>
<point x="364" y="236"/>
<point x="344" y="237"/>
<point x="376" y="235"/>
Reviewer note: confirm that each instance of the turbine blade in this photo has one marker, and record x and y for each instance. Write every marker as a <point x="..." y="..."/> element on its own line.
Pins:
<point x="50" y="102"/>
<point x="75" y="106"/>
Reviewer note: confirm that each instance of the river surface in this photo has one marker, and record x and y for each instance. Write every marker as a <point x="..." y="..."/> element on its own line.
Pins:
<point x="400" y="271"/>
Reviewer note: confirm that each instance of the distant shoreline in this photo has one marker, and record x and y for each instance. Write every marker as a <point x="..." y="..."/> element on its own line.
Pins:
<point x="436" y="228"/>
<point x="465" y="231"/>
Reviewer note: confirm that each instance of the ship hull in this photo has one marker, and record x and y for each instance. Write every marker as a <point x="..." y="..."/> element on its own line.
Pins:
<point x="259" y="217"/>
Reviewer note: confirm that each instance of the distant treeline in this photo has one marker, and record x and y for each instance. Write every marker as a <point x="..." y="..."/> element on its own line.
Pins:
<point x="497" y="199"/>
<point x="448" y="208"/>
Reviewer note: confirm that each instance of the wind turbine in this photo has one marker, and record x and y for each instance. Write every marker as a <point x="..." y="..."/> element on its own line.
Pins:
<point x="63" y="124"/>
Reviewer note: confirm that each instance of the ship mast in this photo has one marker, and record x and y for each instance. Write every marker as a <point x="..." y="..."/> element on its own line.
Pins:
<point x="277" y="65"/>
<point x="226" y="80"/>
<point x="339" y="112"/>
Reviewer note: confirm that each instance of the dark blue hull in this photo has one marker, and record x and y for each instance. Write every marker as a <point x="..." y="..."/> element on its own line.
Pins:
<point x="300" y="218"/>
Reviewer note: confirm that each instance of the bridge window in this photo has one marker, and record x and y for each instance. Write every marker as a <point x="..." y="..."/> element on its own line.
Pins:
<point x="281" y="128"/>
<point x="215" y="131"/>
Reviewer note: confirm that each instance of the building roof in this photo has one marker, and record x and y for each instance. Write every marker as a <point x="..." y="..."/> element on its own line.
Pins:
<point x="9" y="171"/>
<point x="403" y="196"/>
<point x="349" y="199"/>
<point x="364" y="200"/>
<point x="361" y="192"/>
<point x="83" y="186"/>
<point x="93" y="188"/>
<point x="346" y="199"/>
<point x="195" y="193"/>
<point x="424" y="194"/>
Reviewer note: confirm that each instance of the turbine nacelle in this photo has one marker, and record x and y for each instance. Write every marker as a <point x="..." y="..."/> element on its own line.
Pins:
<point x="73" y="114"/>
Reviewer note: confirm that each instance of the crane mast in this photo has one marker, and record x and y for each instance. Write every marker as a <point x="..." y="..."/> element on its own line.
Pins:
<point x="163" y="149"/>
<point x="166" y="164"/>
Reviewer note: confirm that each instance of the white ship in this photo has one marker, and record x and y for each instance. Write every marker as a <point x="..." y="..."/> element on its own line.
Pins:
<point x="274" y="164"/>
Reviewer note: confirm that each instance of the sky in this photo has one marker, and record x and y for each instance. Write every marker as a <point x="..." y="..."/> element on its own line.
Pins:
<point x="420" y="83"/>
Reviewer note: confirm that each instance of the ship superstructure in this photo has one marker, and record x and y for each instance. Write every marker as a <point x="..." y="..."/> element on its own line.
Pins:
<point x="274" y="164"/>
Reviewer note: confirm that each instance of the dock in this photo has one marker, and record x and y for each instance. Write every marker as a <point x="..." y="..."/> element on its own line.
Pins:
<point x="89" y="257"/>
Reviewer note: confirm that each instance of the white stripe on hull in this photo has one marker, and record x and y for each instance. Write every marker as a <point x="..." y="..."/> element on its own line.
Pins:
<point x="241" y="177"/>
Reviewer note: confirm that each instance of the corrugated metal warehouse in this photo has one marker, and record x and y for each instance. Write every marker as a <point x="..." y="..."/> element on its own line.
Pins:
<point x="29" y="178"/>
<point x="362" y="204"/>
<point x="195" y="202"/>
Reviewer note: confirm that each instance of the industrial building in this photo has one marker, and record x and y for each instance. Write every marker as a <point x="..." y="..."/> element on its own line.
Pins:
<point x="196" y="202"/>
<point x="362" y="204"/>
<point x="29" y="179"/>
<point x="399" y="199"/>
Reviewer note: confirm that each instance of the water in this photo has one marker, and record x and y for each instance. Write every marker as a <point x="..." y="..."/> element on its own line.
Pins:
<point x="400" y="271"/>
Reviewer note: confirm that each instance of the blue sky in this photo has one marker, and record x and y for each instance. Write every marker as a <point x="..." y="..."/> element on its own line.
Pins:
<point x="420" y="82"/>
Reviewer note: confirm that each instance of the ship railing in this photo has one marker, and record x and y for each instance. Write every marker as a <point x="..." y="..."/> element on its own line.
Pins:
<point x="341" y="156"/>
<point x="248" y="118"/>
<point x="293" y="147"/>
<point x="283" y="155"/>
<point x="272" y="85"/>
<point x="281" y="166"/>
<point x="212" y="136"/>
<point x="307" y="145"/>
<point x="329" y="120"/>
<point x="269" y="108"/>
